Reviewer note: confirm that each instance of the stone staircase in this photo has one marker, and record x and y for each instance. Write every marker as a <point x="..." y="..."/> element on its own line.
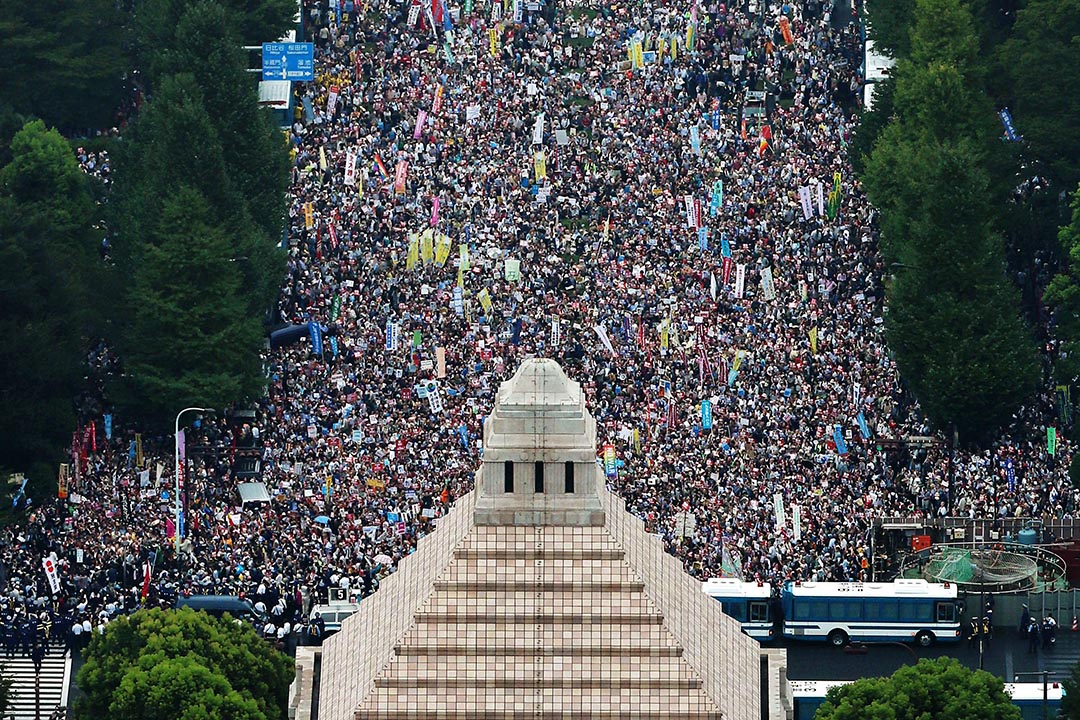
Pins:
<point x="52" y="690"/>
<point x="539" y="623"/>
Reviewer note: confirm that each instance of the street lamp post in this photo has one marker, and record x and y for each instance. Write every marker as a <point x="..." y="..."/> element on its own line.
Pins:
<point x="176" y="467"/>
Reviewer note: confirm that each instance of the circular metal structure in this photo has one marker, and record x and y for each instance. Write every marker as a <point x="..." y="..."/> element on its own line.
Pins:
<point x="988" y="567"/>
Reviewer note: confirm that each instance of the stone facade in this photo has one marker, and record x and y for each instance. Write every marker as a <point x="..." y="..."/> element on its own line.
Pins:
<point x="540" y="603"/>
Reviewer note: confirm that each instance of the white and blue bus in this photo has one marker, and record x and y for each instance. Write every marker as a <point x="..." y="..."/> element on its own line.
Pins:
<point x="748" y="602"/>
<point x="808" y="695"/>
<point x="903" y="610"/>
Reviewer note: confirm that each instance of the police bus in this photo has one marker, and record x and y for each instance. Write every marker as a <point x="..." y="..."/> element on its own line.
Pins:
<point x="748" y="602"/>
<point x="903" y="610"/>
<point x="808" y="695"/>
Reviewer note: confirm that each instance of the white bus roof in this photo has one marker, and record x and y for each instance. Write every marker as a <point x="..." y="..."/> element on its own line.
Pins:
<point x="813" y="688"/>
<point x="1034" y="691"/>
<point x="735" y="588"/>
<point x="902" y="587"/>
<point x="1017" y="691"/>
<point x="877" y="66"/>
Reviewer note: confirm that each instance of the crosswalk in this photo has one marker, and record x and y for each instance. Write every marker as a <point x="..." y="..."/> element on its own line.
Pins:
<point x="53" y="689"/>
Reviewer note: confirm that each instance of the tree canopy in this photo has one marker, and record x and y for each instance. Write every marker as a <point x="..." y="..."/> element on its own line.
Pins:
<point x="48" y="271"/>
<point x="953" y="317"/>
<point x="65" y="65"/>
<point x="182" y="665"/>
<point x="940" y="689"/>
<point x="1063" y="295"/>
<point x="1042" y="56"/>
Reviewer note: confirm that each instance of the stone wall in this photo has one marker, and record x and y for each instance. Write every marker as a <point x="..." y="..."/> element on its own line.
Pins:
<point x="365" y="645"/>
<point x="727" y="660"/>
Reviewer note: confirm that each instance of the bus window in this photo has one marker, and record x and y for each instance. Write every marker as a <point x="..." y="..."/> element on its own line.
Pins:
<point x="735" y="609"/>
<point x="873" y="611"/>
<point x="759" y="611"/>
<point x="819" y="609"/>
<point x="946" y="612"/>
<point x="802" y="611"/>
<point x="837" y="610"/>
<point x="888" y="611"/>
<point x="855" y="610"/>
<point x="916" y="611"/>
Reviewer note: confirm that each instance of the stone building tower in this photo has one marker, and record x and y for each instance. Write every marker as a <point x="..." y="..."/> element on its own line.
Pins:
<point x="540" y="596"/>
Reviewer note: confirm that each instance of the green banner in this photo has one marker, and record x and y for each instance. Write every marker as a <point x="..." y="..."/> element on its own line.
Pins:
<point x="335" y="308"/>
<point x="1051" y="440"/>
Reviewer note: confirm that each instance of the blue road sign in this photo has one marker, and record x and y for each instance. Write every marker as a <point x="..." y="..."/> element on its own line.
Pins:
<point x="288" y="61"/>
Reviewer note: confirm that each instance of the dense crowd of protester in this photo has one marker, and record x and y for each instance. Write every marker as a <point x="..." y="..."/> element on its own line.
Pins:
<point x="473" y="185"/>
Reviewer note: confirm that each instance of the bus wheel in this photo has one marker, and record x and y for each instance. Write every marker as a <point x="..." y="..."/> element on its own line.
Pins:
<point x="838" y="638"/>
<point x="925" y="638"/>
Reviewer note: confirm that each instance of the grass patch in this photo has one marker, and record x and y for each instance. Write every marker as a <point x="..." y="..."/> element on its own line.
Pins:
<point x="581" y="101"/>
<point x="580" y="41"/>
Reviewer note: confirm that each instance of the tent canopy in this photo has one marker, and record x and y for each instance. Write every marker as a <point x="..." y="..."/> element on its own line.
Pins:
<point x="253" y="492"/>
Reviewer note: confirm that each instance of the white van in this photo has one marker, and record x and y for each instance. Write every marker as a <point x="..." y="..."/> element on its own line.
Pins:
<point x="332" y="615"/>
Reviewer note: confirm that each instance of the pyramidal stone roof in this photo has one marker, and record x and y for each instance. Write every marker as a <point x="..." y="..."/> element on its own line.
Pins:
<point x="539" y="596"/>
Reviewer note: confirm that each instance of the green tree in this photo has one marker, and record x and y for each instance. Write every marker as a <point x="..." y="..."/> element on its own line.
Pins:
<point x="1063" y="295"/>
<point x="182" y="665"/>
<point x="255" y="22"/>
<point x="1041" y="55"/>
<point x="953" y="322"/>
<point x="7" y="691"/>
<point x="871" y="124"/>
<point x="190" y="340"/>
<point x="255" y="154"/>
<point x="66" y="64"/>
<point x="48" y="268"/>
<point x="890" y="25"/>
<point x="941" y="689"/>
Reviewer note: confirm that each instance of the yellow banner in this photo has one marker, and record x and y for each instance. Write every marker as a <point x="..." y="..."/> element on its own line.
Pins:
<point x="813" y="340"/>
<point x="442" y="250"/>
<point x="463" y="254"/>
<point x="540" y="165"/>
<point x="309" y="217"/>
<point x="493" y="36"/>
<point x="485" y="300"/>
<point x="638" y="58"/>
<point x="665" y="335"/>
<point x="413" y="252"/>
<point x="426" y="244"/>
<point x="322" y="158"/>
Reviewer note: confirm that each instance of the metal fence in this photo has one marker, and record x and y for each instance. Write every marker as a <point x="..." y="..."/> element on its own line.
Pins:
<point x="956" y="529"/>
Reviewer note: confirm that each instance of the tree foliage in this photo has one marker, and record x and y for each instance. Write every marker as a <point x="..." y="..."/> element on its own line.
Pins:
<point x="47" y="274"/>
<point x="1042" y="56"/>
<point x="890" y="25"/>
<point x="65" y="64"/>
<point x="255" y="22"/>
<point x="941" y="689"/>
<point x="182" y="665"/>
<point x="953" y="322"/>
<point x="202" y="270"/>
<point x="1063" y="295"/>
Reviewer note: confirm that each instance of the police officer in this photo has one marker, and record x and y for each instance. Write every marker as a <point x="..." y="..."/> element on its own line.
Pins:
<point x="1034" y="634"/>
<point x="973" y="633"/>
<point x="11" y="636"/>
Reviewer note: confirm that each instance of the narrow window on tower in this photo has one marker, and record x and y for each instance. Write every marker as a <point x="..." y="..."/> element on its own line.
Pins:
<point x="569" y="478"/>
<point x="508" y="476"/>
<point x="538" y="469"/>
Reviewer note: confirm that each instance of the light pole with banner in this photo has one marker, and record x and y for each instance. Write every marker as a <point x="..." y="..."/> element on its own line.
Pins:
<point x="176" y="468"/>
